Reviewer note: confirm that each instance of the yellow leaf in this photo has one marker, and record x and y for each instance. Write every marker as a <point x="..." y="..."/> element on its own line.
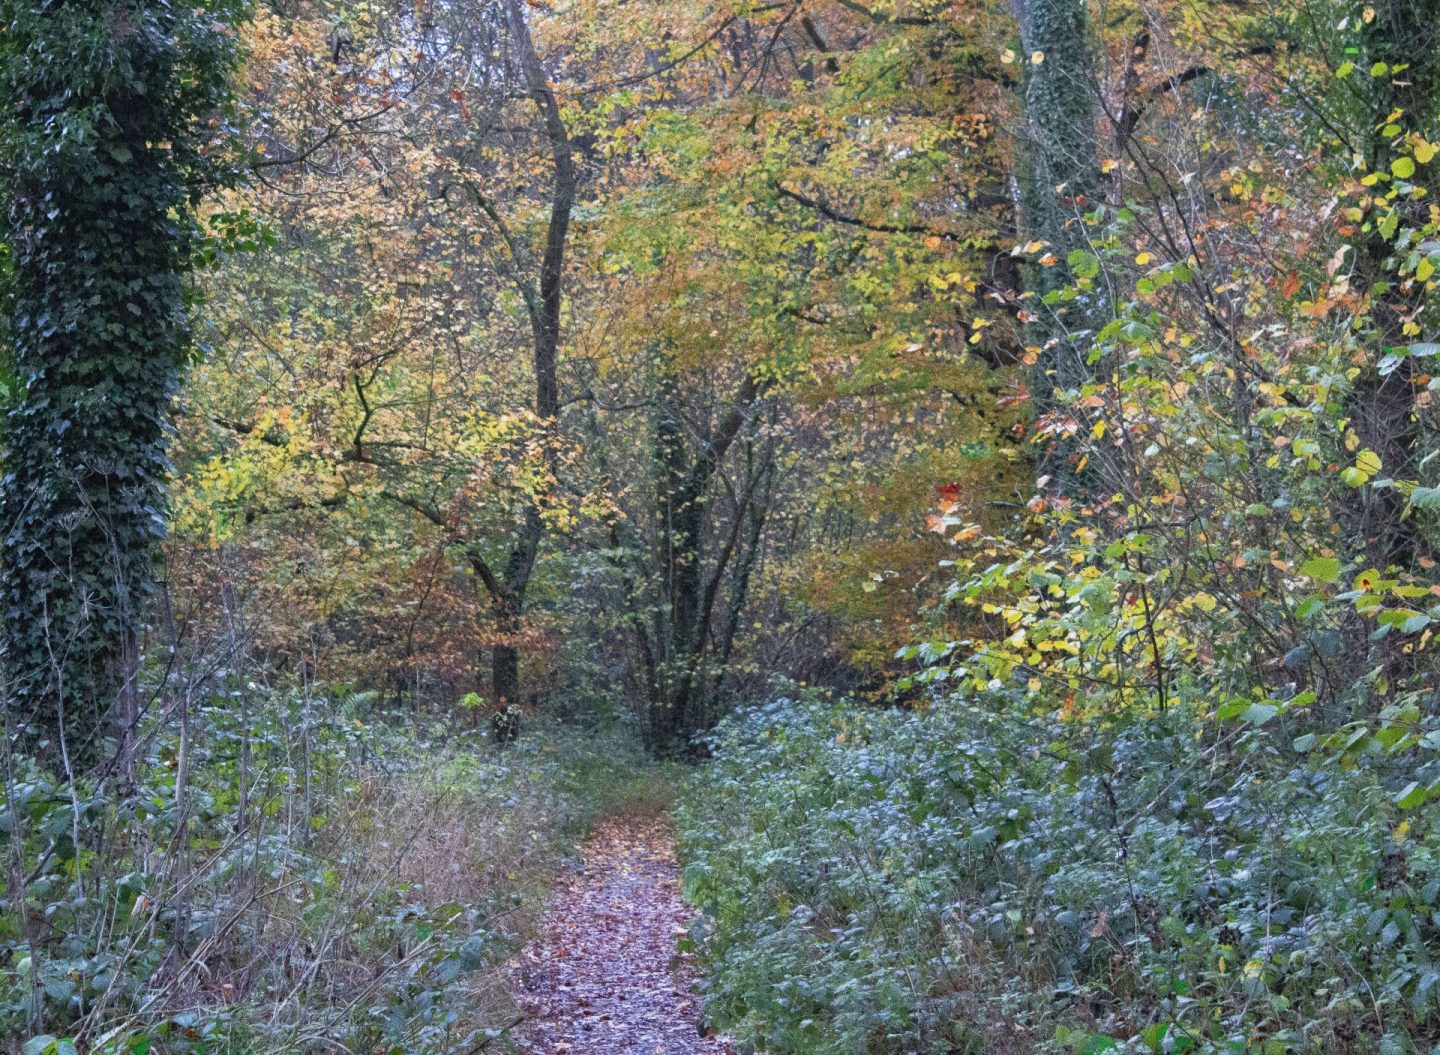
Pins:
<point x="1007" y="56"/>
<point x="1368" y="462"/>
<point x="1143" y="258"/>
<point x="1037" y="57"/>
<point x="1424" y="150"/>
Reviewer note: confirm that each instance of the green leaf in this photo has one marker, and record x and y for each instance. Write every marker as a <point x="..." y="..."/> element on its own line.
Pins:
<point x="1403" y="167"/>
<point x="1260" y="713"/>
<point x="1083" y="264"/>
<point x="1321" y="569"/>
<point x="1232" y="709"/>
<point x="1425" y="498"/>
<point x="1411" y="796"/>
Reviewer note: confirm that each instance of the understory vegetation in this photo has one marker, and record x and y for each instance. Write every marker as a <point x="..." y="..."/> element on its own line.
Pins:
<point x="291" y="869"/>
<point x="985" y="880"/>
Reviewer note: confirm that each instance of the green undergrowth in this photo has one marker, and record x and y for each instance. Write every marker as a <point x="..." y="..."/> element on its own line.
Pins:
<point x="984" y="881"/>
<point x="308" y="874"/>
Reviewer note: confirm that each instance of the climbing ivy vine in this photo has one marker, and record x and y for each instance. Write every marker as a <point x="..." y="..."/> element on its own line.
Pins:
<point x="113" y="109"/>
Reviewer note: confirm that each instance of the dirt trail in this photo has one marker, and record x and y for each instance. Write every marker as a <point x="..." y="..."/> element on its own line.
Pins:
<point x="604" y="977"/>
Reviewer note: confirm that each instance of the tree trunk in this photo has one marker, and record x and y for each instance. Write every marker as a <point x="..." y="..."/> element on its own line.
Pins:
<point x="683" y="618"/>
<point x="1061" y="178"/>
<point x="103" y="165"/>
<point x="1383" y="407"/>
<point x="505" y="675"/>
<point x="544" y="298"/>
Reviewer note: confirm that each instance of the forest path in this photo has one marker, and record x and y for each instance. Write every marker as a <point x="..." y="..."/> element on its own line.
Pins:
<point x="603" y="978"/>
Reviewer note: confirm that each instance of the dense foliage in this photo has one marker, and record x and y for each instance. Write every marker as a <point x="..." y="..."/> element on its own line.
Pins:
<point x="1050" y="381"/>
<point x="108" y="111"/>
<point x="290" y="867"/>
<point x="368" y="459"/>
<point x="983" y="879"/>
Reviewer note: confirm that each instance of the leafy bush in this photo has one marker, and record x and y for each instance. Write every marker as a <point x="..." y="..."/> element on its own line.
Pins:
<point x="980" y="880"/>
<point x="304" y="870"/>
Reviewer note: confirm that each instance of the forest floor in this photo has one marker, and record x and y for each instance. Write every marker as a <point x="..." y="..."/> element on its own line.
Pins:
<point x="604" y="977"/>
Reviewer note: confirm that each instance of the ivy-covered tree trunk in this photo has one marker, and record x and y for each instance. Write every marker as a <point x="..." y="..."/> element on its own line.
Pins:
<point x="106" y="112"/>
<point x="1060" y="177"/>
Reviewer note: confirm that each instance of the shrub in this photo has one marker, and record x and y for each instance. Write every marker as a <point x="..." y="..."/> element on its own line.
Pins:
<point x="304" y="870"/>
<point x="980" y="880"/>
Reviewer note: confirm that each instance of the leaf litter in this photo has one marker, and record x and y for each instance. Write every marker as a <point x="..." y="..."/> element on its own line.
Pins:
<point x="605" y="976"/>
